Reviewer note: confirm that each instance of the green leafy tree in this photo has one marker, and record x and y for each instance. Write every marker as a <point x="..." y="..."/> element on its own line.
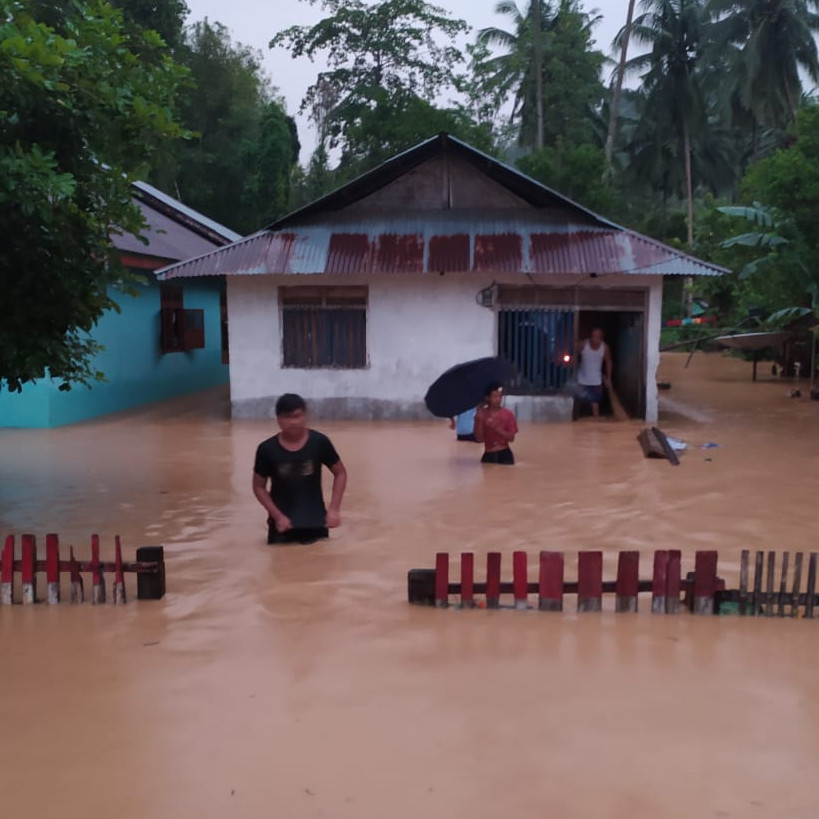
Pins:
<point x="571" y="85"/>
<point x="400" y="49"/>
<point x="165" y="17"/>
<point x="398" y="122"/>
<point x="81" y="114"/>
<point x="577" y="171"/>
<point x="236" y="167"/>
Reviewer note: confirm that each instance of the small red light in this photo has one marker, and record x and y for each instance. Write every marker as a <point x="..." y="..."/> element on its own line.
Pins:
<point x="567" y="359"/>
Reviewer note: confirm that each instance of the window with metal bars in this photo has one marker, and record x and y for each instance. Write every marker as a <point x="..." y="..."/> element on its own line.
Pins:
<point x="539" y="343"/>
<point x="324" y="327"/>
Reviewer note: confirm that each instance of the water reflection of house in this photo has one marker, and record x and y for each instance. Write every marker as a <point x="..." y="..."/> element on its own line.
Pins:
<point x="168" y="341"/>
<point x="359" y="300"/>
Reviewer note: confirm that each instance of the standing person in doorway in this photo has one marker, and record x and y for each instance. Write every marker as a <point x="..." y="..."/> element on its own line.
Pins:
<point x="595" y="357"/>
<point x="495" y="428"/>
<point x="291" y="462"/>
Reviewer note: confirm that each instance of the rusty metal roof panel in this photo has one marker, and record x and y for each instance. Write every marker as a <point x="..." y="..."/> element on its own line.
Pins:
<point x="450" y="243"/>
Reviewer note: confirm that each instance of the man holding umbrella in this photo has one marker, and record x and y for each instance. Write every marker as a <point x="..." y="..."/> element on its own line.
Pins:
<point x="495" y="427"/>
<point x="463" y="386"/>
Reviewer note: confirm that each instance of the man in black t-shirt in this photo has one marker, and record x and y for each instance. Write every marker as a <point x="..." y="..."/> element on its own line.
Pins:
<point x="291" y="461"/>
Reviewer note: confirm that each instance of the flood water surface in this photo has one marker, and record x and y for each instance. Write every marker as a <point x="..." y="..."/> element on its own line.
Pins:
<point x="294" y="682"/>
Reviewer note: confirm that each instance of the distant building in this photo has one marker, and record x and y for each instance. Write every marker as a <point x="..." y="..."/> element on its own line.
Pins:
<point x="168" y="341"/>
<point x="442" y="254"/>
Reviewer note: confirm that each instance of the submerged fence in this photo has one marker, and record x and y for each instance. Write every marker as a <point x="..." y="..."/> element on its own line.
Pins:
<point x="149" y="568"/>
<point x="701" y="591"/>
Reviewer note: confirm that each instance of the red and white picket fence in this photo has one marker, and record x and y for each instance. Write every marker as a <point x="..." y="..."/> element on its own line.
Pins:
<point x="149" y="568"/>
<point x="702" y="590"/>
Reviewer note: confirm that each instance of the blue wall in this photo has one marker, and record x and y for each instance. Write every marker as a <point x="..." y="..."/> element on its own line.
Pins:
<point x="136" y="371"/>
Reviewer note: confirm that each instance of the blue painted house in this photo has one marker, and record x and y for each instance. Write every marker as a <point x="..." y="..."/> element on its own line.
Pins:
<point x="168" y="341"/>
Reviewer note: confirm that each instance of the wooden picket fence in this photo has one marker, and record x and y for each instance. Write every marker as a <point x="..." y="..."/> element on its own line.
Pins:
<point x="149" y="568"/>
<point x="701" y="591"/>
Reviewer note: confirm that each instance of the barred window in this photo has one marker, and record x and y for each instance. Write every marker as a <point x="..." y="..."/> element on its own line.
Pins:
<point x="324" y="327"/>
<point x="539" y="344"/>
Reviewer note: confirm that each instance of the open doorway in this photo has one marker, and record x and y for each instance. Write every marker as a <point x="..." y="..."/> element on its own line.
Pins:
<point x="623" y="331"/>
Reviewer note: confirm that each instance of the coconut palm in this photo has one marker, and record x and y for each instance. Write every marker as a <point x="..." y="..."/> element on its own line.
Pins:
<point x="568" y="85"/>
<point x="675" y="104"/>
<point x="764" y="44"/>
<point x="614" y="108"/>
<point x="514" y="72"/>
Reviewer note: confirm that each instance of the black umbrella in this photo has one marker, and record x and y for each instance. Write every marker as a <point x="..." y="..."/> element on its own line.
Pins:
<point x="462" y="387"/>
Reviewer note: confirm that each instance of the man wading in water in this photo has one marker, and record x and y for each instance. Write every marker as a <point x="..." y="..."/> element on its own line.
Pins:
<point x="495" y="428"/>
<point x="292" y="462"/>
<point x="594" y="355"/>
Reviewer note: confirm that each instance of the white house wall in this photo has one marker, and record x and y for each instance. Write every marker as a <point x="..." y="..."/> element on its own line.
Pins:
<point x="417" y="327"/>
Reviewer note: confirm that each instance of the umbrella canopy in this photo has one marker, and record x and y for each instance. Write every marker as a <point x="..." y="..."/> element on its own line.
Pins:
<point x="462" y="387"/>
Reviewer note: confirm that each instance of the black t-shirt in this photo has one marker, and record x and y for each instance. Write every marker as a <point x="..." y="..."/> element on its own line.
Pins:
<point x="295" y="477"/>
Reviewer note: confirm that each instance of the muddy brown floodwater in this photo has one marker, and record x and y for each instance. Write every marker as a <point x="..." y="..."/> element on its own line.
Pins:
<point x="297" y="682"/>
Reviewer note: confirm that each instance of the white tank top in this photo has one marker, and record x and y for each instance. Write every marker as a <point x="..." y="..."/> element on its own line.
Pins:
<point x="590" y="373"/>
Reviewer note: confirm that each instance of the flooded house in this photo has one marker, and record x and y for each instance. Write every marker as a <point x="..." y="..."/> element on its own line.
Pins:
<point x="361" y="299"/>
<point x="169" y="340"/>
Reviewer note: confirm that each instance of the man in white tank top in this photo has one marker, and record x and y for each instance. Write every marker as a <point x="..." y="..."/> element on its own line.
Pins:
<point x="594" y="357"/>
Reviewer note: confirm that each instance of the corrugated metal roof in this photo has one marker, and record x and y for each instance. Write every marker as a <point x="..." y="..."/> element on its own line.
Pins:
<point x="553" y="235"/>
<point x="174" y="231"/>
<point x="166" y="238"/>
<point x="194" y="215"/>
<point x="467" y="244"/>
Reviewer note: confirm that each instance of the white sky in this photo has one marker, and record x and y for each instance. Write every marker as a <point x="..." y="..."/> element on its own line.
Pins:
<point x="254" y="22"/>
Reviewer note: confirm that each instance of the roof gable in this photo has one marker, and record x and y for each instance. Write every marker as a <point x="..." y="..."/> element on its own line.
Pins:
<point x="440" y="174"/>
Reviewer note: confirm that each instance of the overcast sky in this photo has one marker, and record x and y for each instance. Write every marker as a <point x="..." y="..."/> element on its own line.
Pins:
<point x="254" y="22"/>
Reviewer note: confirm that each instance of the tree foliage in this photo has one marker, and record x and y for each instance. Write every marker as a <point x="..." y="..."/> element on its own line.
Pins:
<point x="165" y="17"/>
<point x="402" y="49"/>
<point x="572" y="90"/>
<point x="236" y="166"/>
<point x="576" y="171"/>
<point x="761" y="46"/>
<point x="81" y="115"/>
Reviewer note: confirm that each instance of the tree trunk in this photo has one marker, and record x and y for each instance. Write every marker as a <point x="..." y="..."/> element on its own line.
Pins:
<point x="689" y="195"/>
<point x="537" y="43"/>
<point x="614" y="111"/>
<point x="790" y="100"/>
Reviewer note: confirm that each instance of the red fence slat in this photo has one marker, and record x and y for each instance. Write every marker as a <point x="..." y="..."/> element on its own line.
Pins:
<point x="119" y="577"/>
<point x="493" y="575"/>
<point x="97" y="576"/>
<point x="77" y="588"/>
<point x="53" y="568"/>
<point x="659" y="581"/>
<point x="442" y="580"/>
<point x="590" y="581"/>
<point x="550" y="581"/>
<point x="705" y="582"/>
<point x="520" y="579"/>
<point x="673" y="582"/>
<point x="628" y="581"/>
<point x="7" y="572"/>
<point x="467" y="580"/>
<point x="28" y="569"/>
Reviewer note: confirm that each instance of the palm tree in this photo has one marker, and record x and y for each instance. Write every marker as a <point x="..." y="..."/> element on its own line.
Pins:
<point x="670" y="71"/>
<point x="537" y="49"/>
<point x="553" y="85"/>
<point x="614" y="111"/>
<point x="764" y="44"/>
<point x="514" y="72"/>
